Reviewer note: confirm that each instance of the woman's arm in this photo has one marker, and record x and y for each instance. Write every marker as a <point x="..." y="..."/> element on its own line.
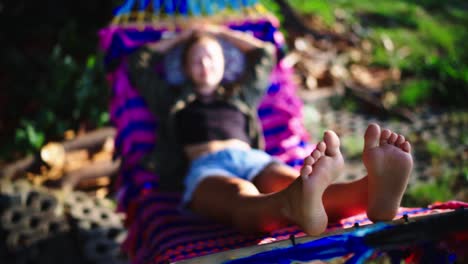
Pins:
<point x="143" y="76"/>
<point x="244" y="41"/>
<point x="260" y="57"/>
<point x="163" y="45"/>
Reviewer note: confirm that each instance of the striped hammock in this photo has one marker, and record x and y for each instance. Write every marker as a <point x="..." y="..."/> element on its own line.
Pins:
<point x="162" y="12"/>
<point x="158" y="232"/>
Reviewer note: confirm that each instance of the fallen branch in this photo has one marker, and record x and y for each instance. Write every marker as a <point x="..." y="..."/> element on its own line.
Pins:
<point x="15" y="169"/>
<point x="92" y="171"/>
<point x="91" y="141"/>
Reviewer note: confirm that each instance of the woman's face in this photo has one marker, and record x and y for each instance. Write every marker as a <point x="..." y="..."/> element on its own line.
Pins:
<point x="205" y="65"/>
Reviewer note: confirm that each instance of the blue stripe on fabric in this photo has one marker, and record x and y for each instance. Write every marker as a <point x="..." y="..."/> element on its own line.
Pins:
<point x="136" y="147"/>
<point x="248" y="3"/>
<point x="221" y="5"/>
<point x="321" y="249"/>
<point x="266" y="29"/>
<point x="143" y="36"/>
<point x="125" y="8"/>
<point x="182" y="8"/>
<point x="133" y="103"/>
<point x="149" y="184"/>
<point x="134" y="126"/>
<point x="295" y="162"/>
<point x="132" y="190"/>
<point x="274" y="88"/>
<point x="206" y="6"/>
<point x="169" y="7"/>
<point x="156" y="7"/>
<point x="275" y="151"/>
<point x="235" y="4"/>
<point x="275" y="130"/>
<point x="303" y="144"/>
<point x="143" y="4"/>
<point x="141" y="147"/>
<point x="118" y="48"/>
<point x="265" y="111"/>
<point x="128" y="180"/>
<point x="280" y="150"/>
<point x="128" y="177"/>
<point x="193" y="7"/>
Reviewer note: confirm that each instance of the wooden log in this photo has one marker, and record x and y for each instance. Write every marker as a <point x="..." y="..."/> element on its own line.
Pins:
<point x="94" y="170"/>
<point x="91" y="141"/>
<point x="19" y="167"/>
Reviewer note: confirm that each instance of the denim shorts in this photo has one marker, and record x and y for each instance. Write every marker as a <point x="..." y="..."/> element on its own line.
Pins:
<point x="231" y="162"/>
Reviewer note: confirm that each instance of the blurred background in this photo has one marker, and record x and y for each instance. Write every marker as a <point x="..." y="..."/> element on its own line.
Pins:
<point x="402" y="63"/>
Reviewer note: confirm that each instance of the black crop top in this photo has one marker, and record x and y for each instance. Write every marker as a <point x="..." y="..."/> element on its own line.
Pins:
<point x="201" y="122"/>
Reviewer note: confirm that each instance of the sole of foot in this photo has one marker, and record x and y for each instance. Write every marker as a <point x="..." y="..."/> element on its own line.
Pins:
<point x="387" y="158"/>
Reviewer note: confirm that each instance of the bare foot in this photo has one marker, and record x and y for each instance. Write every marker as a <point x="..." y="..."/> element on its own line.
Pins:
<point x="388" y="161"/>
<point x="320" y="169"/>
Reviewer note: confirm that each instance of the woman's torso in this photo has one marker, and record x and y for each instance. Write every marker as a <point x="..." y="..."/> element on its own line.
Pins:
<point x="208" y="127"/>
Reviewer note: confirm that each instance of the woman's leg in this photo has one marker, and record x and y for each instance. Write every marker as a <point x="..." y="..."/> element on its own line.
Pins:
<point x="340" y="200"/>
<point x="275" y="177"/>
<point x="311" y="199"/>
<point x="388" y="160"/>
<point x="240" y="203"/>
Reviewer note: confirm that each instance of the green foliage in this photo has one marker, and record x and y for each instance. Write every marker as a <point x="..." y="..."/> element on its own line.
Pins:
<point x="437" y="150"/>
<point x="439" y="190"/>
<point x="429" y="38"/>
<point x="28" y="135"/>
<point x="70" y="95"/>
<point x="344" y="103"/>
<point x="465" y="174"/>
<point x="414" y="92"/>
<point x="464" y="137"/>
<point x="352" y="145"/>
<point x="319" y="7"/>
<point x="53" y="75"/>
<point x="449" y="80"/>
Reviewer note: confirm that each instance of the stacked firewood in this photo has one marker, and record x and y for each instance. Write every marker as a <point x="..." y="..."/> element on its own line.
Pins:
<point x="83" y="162"/>
<point x="57" y="206"/>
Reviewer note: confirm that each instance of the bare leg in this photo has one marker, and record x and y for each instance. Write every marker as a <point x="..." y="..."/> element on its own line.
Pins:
<point x="275" y="177"/>
<point x="388" y="161"/>
<point x="319" y="171"/>
<point x="339" y="200"/>
<point x="238" y="202"/>
<point x="310" y="200"/>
